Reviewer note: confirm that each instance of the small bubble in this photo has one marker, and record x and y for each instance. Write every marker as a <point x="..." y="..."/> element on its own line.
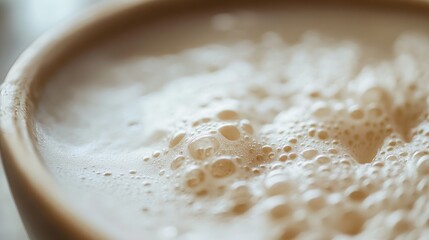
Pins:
<point x="356" y="194"/>
<point x="374" y="95"/>
<point x="176" y="139"/>
<point x="418" y="154"/>
<point x="322" y="134"/>
<point x="314" y="199"/>
<point x="332" y="151"/>
<point x="247" y="127"/>
<point x="194" y="177"/>
<point x="345" y="161"/>
<point x="292" y="155"/>
<point x="423" y="165"/>
<point x="378" y="164"/>
<point x="322" y="159"/>
<point x="312" y="132"/>
<point x="177" y="162"/>
<point x="283" y="158"/>
<point x="240" y="208"/>
<point x="203" y="147"/>
<point x="391" y="158"/>
<point x="320" y="109"/>
<point x="287" y="148"/>
<point x="226" y="115"/>
<point x="278" y="207"/>
<point x="267" y="149"/>
<point x="309" y="153"/>
<point x="277" y="185"/>
<point x="230" y="132"/>
<point x="222" y="167"/>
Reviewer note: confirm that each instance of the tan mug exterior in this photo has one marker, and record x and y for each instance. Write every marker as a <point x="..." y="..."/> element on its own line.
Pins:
<point x="46" y="213"/>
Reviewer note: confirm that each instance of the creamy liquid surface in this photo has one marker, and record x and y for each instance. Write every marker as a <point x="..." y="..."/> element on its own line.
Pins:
<point x="278" y="124"/>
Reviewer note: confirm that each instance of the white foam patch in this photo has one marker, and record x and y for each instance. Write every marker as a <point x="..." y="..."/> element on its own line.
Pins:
<point x="261" y="136"/>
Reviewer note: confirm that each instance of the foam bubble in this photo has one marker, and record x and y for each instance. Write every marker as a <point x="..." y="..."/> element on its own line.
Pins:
<point x="222" y="167"/>
<point x="230" y="132"/>
<point x="203" y="147"/>
<point x="194" y="177"/>
<point x="177" y="138"/>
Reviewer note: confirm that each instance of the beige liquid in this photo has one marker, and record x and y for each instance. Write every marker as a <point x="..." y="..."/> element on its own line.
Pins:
<point x="278" y="124"/>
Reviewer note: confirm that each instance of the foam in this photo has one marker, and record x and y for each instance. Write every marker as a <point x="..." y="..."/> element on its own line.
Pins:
<point x="260" y="136"/>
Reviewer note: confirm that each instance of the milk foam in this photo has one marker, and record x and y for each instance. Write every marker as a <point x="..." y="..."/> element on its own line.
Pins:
<point x="257" y="132"/>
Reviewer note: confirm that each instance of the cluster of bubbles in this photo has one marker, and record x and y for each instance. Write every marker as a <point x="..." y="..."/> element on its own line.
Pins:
<point x="214" y="152"/>
<point x="317" y="163"/>
<point x="343" y="164"/>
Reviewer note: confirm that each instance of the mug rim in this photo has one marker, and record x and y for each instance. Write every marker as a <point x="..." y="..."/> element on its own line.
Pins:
<point x="15" y="135"/>
<point x="16" y="140"/>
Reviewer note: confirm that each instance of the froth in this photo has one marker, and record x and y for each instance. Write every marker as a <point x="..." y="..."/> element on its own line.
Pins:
<point x="312" y="139"/>
<point x="341" y="156"/>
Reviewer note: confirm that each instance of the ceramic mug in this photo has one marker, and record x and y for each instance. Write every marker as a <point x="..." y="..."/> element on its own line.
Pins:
<point x="46" y="213"/>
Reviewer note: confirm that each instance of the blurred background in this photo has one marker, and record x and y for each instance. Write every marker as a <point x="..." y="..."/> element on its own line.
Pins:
<point x="22" y="21"/>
